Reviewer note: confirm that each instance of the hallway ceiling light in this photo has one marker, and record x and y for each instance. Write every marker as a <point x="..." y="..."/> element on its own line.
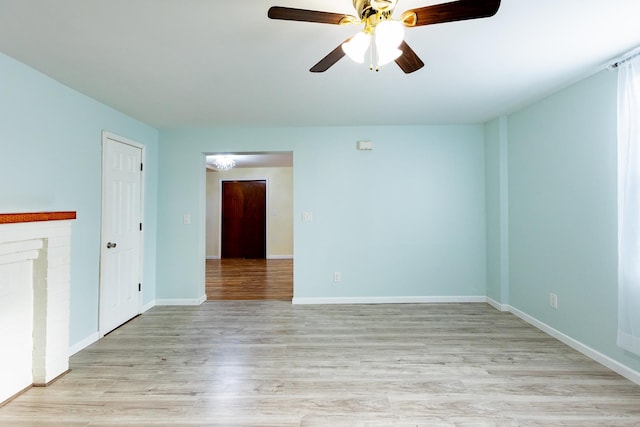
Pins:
<point x="224" y="163"/>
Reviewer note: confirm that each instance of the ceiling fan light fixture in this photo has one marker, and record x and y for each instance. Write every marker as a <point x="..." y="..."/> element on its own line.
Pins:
<point x="389" y="33"/>
<point x="386" y="55"/>
<point x="382" y="30"/>
<point x="357" y="47"/>
<point x="224" y="163"/>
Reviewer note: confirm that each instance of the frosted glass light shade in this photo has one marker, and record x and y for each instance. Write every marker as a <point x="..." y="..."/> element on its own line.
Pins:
<point x="357" y="47"/>
<point x="386" y="55"/>
<point x="389" y="33"/>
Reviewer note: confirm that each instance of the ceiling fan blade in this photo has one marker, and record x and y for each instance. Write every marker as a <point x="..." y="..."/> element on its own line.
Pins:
<point x="304" y="15"/>
<point x="449" y="12"/>
<point x="334" y="56"/>
<point x="408" y="61"/>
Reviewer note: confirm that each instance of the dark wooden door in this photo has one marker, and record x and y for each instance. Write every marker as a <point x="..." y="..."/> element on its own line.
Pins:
<point x="244" y="222"/>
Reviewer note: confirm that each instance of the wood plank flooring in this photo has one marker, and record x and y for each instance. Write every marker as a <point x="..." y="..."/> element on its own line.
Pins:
<point x="269" y="363"/>
<point x="249" y="279"/>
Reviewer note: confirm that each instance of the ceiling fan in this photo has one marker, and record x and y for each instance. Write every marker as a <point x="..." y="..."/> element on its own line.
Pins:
<point x="382" y="33"/>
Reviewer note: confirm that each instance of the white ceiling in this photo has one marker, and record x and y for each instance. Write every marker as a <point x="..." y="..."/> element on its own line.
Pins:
<point x="178" y="63"/>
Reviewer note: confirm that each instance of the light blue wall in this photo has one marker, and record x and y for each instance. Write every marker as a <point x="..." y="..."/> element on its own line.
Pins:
<point x="563" y="213"/>
<point x="406" y="219"/>
<point x="50" y="159"/>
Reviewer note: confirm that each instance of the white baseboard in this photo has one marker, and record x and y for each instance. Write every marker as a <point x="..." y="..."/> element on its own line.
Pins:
<point x="213" y="257"/>
<point x="498" y="306"/>
<point x="388" y="300"/>
<point x="196" y="301"/>
<point x="148" y="306"/>
<point x="83" y="343"/>
<point x="625" y="371"/>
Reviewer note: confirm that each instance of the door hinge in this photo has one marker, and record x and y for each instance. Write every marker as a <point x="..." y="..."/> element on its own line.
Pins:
<point x="141" y="167"/>
<point x="139" y="287"/>
<point x="140" y="226"/>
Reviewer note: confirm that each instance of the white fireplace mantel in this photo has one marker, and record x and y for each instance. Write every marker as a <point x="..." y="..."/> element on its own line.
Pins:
<point x="35" y="260"/>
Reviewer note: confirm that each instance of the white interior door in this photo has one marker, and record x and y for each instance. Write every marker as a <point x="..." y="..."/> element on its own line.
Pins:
<point x="120" y="261"/>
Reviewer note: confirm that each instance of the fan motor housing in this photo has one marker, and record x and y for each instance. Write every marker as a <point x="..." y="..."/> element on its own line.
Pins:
<point x="367" y="8"/>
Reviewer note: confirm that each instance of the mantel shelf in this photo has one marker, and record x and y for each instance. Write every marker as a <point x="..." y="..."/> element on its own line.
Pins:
<point x="13" y="218"/>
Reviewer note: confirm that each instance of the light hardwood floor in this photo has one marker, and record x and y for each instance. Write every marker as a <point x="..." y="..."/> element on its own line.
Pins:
<point x="249" y="279"/>
<point x="269" y="363"/>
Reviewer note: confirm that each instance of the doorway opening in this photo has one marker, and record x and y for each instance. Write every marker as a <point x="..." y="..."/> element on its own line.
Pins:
<point x="249" y="227"/>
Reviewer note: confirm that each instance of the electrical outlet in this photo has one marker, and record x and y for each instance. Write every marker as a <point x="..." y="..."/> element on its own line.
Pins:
<point x="553" y="300"/>
<point x="337" y="276"/>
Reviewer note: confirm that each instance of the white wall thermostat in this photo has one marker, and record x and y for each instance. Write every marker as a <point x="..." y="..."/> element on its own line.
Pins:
<point x="365" y="145"/>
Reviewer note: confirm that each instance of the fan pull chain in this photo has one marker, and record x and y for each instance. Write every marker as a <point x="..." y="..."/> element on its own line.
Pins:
<point x="371" y="55"/>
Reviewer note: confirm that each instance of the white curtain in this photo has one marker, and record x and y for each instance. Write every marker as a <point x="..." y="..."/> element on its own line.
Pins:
<point x="629" y="205"/>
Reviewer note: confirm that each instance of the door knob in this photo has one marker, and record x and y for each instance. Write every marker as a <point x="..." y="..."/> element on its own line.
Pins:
<point x="111" y="245"/>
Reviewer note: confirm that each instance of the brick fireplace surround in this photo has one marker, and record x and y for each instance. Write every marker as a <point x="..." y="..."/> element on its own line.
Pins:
<point x="35" y="261"/>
